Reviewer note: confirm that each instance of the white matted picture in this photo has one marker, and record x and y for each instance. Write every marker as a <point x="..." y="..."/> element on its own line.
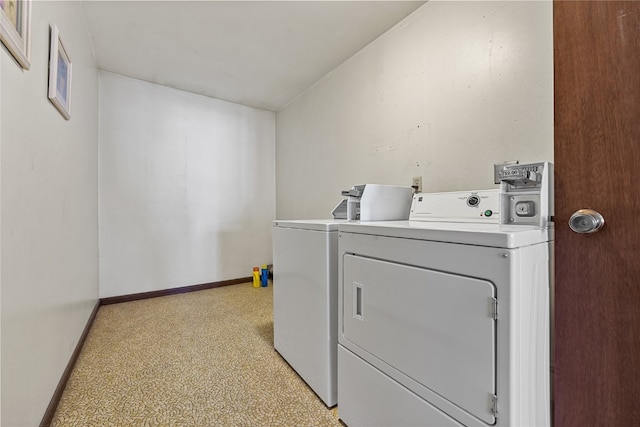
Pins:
<point x="59" y="75"/>
<point x="15" y="29"/>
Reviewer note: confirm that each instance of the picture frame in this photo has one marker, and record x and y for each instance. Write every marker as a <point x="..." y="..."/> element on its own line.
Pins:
<point x="15" y="29"/>
<point x="60" y="68"/>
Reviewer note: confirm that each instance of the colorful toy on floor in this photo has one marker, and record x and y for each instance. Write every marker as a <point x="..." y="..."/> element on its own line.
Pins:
<point x="264" y="276"/>
<point x="256" y="277"/>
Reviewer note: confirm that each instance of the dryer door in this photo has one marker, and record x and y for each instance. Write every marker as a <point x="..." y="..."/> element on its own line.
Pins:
<point x="436" y="328"/>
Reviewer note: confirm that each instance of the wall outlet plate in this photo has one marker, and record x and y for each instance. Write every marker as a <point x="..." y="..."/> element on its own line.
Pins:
<point x="417" y="184"/>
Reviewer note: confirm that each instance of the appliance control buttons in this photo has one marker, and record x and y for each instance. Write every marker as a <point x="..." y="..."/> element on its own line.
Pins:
<point x="526" y="208"/>
<point x="488" y="213"/>
<point x="473" y="201"/>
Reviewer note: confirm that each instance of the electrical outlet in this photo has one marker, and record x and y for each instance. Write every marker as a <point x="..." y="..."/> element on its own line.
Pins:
<point x="417" y="184"/>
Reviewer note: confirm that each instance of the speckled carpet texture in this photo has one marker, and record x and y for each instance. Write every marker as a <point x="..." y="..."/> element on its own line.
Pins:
<point x="201" y="359"/>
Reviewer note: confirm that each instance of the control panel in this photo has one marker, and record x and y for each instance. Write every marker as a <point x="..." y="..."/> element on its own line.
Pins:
<point x="457" y="206"/>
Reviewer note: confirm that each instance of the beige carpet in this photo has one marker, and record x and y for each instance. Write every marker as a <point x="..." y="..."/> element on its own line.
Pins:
<point x="199" y="359"/>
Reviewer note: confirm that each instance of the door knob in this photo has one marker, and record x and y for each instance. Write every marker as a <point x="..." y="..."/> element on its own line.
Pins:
<point x="586" y="221"/>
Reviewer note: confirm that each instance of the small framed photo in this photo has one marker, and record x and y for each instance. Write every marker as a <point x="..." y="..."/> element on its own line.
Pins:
<point x="15" y="29"/>
<point x="59" y="75"/>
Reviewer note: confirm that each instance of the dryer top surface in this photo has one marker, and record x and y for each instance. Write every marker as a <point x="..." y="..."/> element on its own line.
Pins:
<point x="486" y="234"/>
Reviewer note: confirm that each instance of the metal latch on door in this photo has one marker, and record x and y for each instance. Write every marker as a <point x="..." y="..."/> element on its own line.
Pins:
<point x="586" y="221"/>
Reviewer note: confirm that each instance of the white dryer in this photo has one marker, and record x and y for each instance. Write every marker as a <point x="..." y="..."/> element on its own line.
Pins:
<point x="444" y="319"/>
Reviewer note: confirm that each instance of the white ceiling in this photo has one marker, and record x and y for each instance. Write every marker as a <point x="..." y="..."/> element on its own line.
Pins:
<point x="256" y="53"/>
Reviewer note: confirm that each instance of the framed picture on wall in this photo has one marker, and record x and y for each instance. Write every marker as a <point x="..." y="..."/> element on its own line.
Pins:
<point x="59" y="75"/>
<point x="15" y="29"/>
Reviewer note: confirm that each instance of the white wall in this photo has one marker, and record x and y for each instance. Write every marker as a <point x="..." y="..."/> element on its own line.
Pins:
<point x="454" y="88"/>
<point x="49" y="210"/>
<point x="1" y="241"/>
<point x="187" y="187"/>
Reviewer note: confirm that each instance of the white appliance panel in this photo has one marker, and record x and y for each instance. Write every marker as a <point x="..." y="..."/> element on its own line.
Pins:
<point x="522" y="278"/>
<point x="477" y="234"/>
<point x="464" y="206"/>
<point x="309" y="224"/>
<point x="435" y="327"/>
<point x="305" y="305"/>
<point x="372" y="409"/>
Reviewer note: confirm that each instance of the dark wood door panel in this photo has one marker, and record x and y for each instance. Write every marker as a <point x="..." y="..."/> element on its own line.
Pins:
<point x="597" y="155"/>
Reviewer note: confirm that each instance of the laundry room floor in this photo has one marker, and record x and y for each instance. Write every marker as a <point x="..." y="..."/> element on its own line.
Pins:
<point x="203" y="358"/>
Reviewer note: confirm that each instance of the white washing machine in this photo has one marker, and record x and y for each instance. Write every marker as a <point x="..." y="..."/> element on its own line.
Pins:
<point x="305" y="285"/>
<point x="444" y="319"/>
<point x="305" y="299"/>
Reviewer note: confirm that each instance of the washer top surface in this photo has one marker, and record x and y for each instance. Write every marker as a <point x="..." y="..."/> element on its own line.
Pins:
<point x="310" y="224"/>
<point x="485" y="234"/>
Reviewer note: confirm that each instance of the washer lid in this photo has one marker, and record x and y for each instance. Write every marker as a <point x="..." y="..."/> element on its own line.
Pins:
<point x="492" y="235"/>
<point x="310" y="224"/>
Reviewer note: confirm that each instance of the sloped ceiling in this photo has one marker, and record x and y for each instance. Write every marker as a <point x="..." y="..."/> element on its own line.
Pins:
<point x="257" y="53"/>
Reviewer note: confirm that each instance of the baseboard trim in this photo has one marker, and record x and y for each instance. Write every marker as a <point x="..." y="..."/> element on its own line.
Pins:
<point x="172" y="291"/>
<point x="47" y="419"/>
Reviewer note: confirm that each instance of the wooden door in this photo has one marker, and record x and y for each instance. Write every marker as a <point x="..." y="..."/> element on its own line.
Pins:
<point x="597" y="163"/>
